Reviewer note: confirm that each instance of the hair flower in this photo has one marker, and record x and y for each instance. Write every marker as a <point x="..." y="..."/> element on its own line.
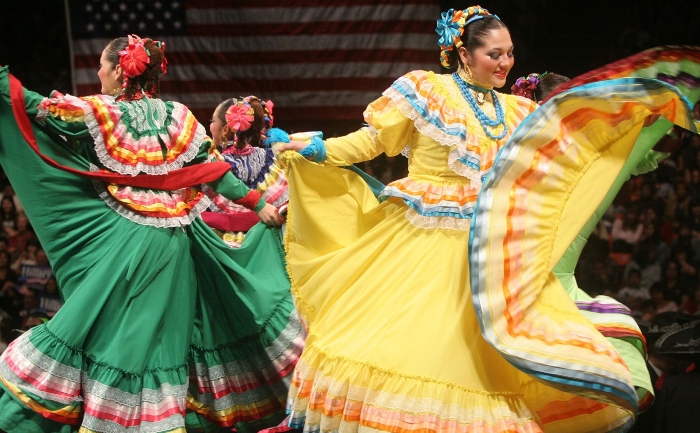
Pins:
<point x="525" y="86"/>
<point x="239" y="116"/>
<point x="448" y="28"/>
<point x="268" y="108"/>
<point x="134" y="58"/>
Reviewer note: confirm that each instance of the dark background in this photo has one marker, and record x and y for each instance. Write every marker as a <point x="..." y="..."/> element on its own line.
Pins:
<point x="563" y="36"/>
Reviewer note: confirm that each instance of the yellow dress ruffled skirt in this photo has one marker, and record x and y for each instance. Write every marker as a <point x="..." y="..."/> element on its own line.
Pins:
<point x="394" y="343"/>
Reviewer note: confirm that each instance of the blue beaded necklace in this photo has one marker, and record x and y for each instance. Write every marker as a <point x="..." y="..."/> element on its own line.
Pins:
<point x="484" y="120"/>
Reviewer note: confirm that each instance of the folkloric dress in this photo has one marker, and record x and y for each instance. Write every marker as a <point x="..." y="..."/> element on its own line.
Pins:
<point x="160" y="316"/>
<point x="408" y="321"/>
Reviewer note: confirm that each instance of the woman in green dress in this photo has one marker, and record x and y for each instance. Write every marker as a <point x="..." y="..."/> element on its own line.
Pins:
<point x="161" y="318"/>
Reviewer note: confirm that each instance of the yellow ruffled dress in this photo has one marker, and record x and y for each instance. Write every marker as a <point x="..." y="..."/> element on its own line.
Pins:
<point x="394" y="341"/>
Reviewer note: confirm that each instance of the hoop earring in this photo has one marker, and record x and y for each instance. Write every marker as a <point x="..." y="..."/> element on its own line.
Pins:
<point x="116" y="88"/>
<point x="469" y="72"/>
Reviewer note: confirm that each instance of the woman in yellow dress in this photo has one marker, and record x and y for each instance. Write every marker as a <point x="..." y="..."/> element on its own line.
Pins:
<point x="403" y="335"/>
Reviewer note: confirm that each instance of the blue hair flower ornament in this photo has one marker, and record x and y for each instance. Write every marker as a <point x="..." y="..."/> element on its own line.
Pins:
<point x="450" y="28"/>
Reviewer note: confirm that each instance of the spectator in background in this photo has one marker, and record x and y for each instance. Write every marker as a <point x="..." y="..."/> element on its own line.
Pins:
<point x="648" y="200"/>
<point x="662" y="304"/>
<point x="50" y="300"/>
<point x="8" y="277"/>
<point x="8" y="191"/>
<point x="632" y="295"/>
<point x="645" y="259"/>
<point x="8" y="215"/>
<point x="26" y="256"/>
<point x="29" y="301"/>
<point x="627" y="231"/>
<point x="694" y="182"/>
<point x="10" y="300"/>
<point x="679" y="206"/>
<point x="23" y="232"/>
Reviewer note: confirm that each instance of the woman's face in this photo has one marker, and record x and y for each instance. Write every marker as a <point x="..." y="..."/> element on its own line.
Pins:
<point x="217" y="128"/>
<point x="22" y="223"/>
<point x="7" y="204"/>
<point x="671" y="270"/>
<point x="110" y="75"/>
<point x="491" y="62"/>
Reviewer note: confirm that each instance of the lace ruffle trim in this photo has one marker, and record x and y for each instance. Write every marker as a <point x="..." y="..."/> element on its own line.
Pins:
<point x="437" y="222"/>
<point x="467" y="407"/>
<point x="52" y="381"/>
<point x="425" y="127"/>
<point x="145" y="220"/>
<point x="104" y="156"/>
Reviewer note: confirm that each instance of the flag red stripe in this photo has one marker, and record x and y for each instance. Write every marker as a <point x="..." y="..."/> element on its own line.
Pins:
<point x="286" y="115"/>
<point x="319" y="28"/>
<point x="282" y="57"/>
<point x="228" y="4"/>
<point x="254" y="86"/>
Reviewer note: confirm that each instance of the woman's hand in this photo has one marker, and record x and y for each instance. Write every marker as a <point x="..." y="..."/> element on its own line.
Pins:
<point x="651" y="119"/>
<point x="292" y="145"/>
<point x="269" y="216"/>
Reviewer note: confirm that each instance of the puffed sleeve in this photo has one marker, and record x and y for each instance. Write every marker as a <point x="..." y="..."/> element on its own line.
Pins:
<point x="60" y="112"/>
<point x="387" y="131"/>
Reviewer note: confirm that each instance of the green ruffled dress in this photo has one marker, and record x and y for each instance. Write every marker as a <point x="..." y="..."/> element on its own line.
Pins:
<point x="161" y="318"/>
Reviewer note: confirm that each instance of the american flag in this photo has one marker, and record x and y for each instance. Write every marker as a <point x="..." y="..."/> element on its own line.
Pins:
<point x="316" y="60"/>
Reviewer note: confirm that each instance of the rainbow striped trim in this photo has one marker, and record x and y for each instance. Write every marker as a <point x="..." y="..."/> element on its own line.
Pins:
<point x="153" y="207"/>
<point x="534" y="179"/>
<point x="129" y="136"/>
<point x="438" y="110"/>
<point x="677" y="65"/>
<point x="223" y="392"/>
<point x="65" y="394"/>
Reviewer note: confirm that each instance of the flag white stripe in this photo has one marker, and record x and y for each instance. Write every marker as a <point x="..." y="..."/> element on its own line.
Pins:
<point x="282" y="99"/>
<point x="311" y="14"/>
<point x="274" y="71"/>
<point x="252" y="44"/>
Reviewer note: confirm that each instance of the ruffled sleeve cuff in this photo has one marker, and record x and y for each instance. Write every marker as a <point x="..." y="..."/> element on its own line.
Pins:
<point x="316" y="151"/>
<point x="251" y="201"/>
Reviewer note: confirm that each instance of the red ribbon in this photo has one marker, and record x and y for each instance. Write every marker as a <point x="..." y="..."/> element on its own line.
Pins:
<point x="181" y="178"/>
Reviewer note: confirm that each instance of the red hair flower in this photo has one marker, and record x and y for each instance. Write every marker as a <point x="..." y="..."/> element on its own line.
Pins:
<point x="134" y="58"/>
<point x="239" y="116"/>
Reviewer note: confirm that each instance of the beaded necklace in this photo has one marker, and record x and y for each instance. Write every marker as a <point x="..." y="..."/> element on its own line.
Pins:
<point x="484" y="120"/>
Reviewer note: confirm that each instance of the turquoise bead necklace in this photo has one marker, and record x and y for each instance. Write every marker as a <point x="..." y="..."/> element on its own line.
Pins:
<point x="486" y="122"/>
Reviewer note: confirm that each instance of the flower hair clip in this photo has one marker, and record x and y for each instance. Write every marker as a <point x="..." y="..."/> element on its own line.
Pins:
<point x="267" y="107"/>
<point x="450" y="28"/>
<point x="239" y="116"/>
<point x="525" y="86"/>
<point x="134" y="58"/>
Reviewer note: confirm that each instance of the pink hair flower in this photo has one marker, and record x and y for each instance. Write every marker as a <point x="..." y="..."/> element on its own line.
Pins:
<point x="268" y="107"/>
<point x="239" y="116"/>
<point x="134" y="58"/>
